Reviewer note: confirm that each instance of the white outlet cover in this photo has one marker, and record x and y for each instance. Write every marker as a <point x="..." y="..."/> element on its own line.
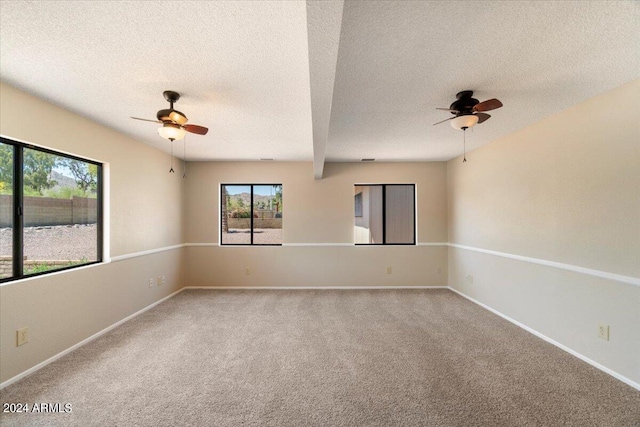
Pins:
<point x="22" y="336"/>
<point x="603" y="332"/>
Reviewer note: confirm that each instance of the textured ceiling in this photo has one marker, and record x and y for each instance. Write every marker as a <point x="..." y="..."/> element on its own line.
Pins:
<point x="334" y="80"/>
<point x="400" y="60"/>
<point x="242" y="68"/>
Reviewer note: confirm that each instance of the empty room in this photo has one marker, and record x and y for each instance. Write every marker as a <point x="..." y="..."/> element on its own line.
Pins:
<point x="323" y="213"/>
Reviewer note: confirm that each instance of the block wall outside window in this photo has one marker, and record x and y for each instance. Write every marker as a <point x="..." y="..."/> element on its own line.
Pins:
<point x="50" y="211"/>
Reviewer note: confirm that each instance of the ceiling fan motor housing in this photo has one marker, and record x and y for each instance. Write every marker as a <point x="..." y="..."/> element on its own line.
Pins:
<point x="163" y="115"/>
<point x="464" y="104"/>
<point x="171" y="115"/>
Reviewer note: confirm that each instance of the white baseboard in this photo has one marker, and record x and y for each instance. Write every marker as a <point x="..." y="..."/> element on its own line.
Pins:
<point x="283" y="288"/>
<point x="552" y="341"/>
<point x="83" y="342"/>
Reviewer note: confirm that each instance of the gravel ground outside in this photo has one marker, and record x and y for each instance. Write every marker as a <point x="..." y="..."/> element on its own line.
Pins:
<point x="60" y="242"/>
<point x="261" y="236"/>
<point x="77" y="242"/>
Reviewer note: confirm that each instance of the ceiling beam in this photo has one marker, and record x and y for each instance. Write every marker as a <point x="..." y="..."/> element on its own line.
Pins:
<point x="324" y="23"/>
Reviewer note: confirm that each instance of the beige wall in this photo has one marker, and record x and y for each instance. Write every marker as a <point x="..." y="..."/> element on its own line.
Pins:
<point x="324" y="266"/>
<point x="319" y="216"/>
<point x="145" y="213"/>
<point x="140" y="219"/>
<point x="315" y="211"/>
<point x="565" y="190"/>
<point x="63" y="309"/>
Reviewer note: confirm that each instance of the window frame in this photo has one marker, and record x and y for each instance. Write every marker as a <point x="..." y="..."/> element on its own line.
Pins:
<point x="220" y="243"/>
<point x="384" y="215"/>
<point x="18" y="210"/>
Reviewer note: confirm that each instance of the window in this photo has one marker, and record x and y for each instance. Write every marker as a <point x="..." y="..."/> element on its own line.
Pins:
<point x="50" y="211"/>
<point x="251" y="214"/>
<point x="385" y="214"/>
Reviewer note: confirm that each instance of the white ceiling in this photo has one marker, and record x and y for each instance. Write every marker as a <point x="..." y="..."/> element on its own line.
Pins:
<point x="316" y="80"/>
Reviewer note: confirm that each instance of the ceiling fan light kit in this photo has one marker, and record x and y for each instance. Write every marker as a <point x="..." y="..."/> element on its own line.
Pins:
<point x="464" y="122"/>
<point x="171" y="131"/>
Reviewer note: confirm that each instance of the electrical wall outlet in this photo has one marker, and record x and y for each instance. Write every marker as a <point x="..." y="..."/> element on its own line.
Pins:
<point x="163" y="280"/>
<point x="151" y="282"/>
<point x="603" y="332"/>
<point x="439" y="270"/>
<point x="247" y="271"/>
<point x="388" y="270"/>
<point x="22" y="336"/>
<point x="159" y="280"/>
<point x="470" y="278"/>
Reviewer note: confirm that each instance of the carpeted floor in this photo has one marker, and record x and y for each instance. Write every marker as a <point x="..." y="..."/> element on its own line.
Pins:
<point x="322" y="358"/>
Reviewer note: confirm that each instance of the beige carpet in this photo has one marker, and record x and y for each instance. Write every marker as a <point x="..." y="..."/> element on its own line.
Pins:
<point x="322" y="358"/>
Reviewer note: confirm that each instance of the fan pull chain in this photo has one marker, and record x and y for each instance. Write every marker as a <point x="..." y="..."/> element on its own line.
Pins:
<point x="171" y="170"/>
<point x="464" y="145"/>
<point x="184" y="157"/>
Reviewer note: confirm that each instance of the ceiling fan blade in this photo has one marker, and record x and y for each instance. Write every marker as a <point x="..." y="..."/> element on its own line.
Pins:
<point x="146" y="120"/>
<point x="482" y="117"/>
<point x="488" y="105"/>
<point x="445" y="120"/>
<point x="448" y="109"/>
<point x="200" y="130"/>
<point x="177" y="117"/>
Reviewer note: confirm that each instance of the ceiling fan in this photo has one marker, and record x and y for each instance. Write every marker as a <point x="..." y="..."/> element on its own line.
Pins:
<point x="468" y="111"/>
<point x="174" y="123"/>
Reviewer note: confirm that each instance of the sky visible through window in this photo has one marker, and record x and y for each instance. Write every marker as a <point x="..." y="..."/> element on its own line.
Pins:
<point x="261" y="190"/>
